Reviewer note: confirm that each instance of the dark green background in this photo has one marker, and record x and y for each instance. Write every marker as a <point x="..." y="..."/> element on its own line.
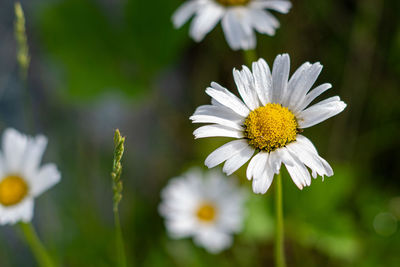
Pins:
<point x="102" y="64"/>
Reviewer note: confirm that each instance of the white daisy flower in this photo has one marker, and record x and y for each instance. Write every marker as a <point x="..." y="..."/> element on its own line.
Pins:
<point x="206" y="206"/>
<point x="21" y="176"/>
<point x="269" y="120"/>
<point x="239" y="19"/>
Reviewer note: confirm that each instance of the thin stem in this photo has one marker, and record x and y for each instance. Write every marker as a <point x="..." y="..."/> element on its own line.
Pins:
<point x="23" y="59"/>
<point x="279" y="235"/>
<point x="119" y="240"/>
<point x="38" y="249"/>
<point x="117" y="189"/>
<point x="250" y="56"/>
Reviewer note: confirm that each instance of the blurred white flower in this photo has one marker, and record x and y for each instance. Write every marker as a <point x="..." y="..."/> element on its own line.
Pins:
<point x="239" y="19"/>
<point x="204" y="205"/>
<point x="21" y="176"/>
<point x="269" y="121"/>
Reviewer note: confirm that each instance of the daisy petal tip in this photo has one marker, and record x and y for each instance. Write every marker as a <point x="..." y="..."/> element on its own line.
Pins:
<point x="208" y="163"/>
<point x="285" y="7"/>
<point x="300" y="186"/>
<point x="248" y="176"/>
<point x="214" y="84"/>
<point x="260" y="61"/>
<point x="285" y="56"/>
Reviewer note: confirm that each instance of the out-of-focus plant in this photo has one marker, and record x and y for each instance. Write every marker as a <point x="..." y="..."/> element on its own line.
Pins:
<point x="23" y="57"/>
<point x="117" y="196"/>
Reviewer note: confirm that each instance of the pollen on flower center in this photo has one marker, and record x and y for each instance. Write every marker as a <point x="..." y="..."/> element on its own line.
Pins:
<point x="206" y="212"/>
<point x="233" y="2"/>
<point x="13" y="189"/>
<point x="270" y="127"/>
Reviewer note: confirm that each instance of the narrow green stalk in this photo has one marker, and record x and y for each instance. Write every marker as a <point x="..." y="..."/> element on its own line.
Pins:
<point x="119" y="241"/>
<point x="23" y="57"/>
<point x="250" y="56"/>
<point x="24" y="60"/>
<point x="117" y="189"/>
<point x="38" y="250"/>
<point x="279" y="235"/>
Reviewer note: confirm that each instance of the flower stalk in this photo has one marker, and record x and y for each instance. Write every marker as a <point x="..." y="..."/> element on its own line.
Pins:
<point x="117" y="194"/>
<point x="279" y="232"/>
<point x="250" y="56"/>
<point x="39" y="251"/>
<point x="23" y="57"/>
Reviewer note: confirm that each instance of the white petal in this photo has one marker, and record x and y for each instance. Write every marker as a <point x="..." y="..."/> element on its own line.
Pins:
<point x="237" y="31"/>
<point x="34" y="152"/>
<point x="263" y="80"/>
<point x="279" y="156"/>
<point x="219" y="110"/>
<point x="184" y="12"/>
<point x="245" y="84"/>
<point x="224" y="152"/>
<point x="263" y="175"/>
<point x="17" y="213"/>
<point x="217" y="114"/>
<point x="263" y="21"/>
<point x="257" y="165"/>
<point x="14" y="147"/>
<point x="261" y="185"/>
<point x="308" y="145"/>
<point x="312" y="95"/>
<point x="275" y="161"/>
<point x="298" y="172"/>
<point x="295" y="83"/>
<point x="309" y="159"/>
<point x="216" y="130"/>
<point x="217" y="120"/>
<point x="47" y="177"/>
<point x="206" y="19"/>
<point x="2" y="166"/>
<point x="320" y="112"/>
<point x="281" y="6"/>
<point x="303" y="85"/>
<point x="213" y="240"/>
<point x="237" y="160"/>
<point x="180" y="228"/>
<point x="226" y="98"/>
<point x="280" y="75"/>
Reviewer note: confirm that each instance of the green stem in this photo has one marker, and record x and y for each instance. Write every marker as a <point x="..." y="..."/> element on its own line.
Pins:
<point x="38" y="250"/>
<point x="119" y="240"/>
<point x="250" y="56"/>
<point x="279" y="235"/>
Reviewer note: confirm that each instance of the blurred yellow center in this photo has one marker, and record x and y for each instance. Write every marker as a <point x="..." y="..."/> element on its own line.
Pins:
<point x="12" y="190"/>
<point x="270" y="127"/>
<point x="206" y="212"/>
<point x="233" y="2"/>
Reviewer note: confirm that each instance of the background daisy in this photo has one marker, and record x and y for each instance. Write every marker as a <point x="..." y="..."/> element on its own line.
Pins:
<point x="268" y="121"/>
<point x="21" y="177"/>
<point x="239" y="19"/>
<point x="204" y="205"/>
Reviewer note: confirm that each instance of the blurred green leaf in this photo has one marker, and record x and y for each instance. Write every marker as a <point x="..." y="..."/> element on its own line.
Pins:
<point x="99" y="51"/>
<point x="259" y="225"/>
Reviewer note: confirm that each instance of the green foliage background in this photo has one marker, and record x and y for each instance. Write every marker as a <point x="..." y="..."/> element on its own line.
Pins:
<point x="97" y="65"/>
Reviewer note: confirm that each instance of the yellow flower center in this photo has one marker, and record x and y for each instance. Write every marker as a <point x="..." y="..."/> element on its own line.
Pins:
<point x="206" y="212"/>
<point x="233" y="2"/>
<point x="12" y="190"/>
<point x="270" y="127"/>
